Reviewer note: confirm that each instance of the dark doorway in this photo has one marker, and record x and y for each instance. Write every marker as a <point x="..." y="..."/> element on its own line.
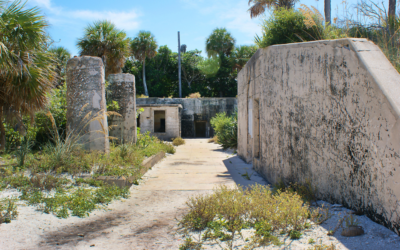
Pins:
<point x="159" y="121"/>
<point x="200" y="128"/>
<point x="138" y="121"/>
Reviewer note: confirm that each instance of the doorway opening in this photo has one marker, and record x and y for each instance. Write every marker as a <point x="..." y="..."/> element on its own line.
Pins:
<point x="138" y="121"/>
<point x="200" y="128"/>
<point x="159" y="121"/>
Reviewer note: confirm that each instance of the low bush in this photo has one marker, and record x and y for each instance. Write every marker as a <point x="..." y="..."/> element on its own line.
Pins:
<point x="194" y="95"/>
<point x="178" y="141"/>
<point x="8" y="211"/>
<point x="225" y="128"/>
<point x="221" y="216"/>
<point x="213" y="140"/>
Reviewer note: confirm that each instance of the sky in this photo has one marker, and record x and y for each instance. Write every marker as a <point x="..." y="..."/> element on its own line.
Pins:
<point x="195" y="19"/>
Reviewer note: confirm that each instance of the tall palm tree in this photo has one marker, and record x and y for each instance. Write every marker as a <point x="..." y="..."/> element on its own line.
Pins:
<point x="144" y="46"/>
<point x="220" y="43"/>
<point x="259" y="6"/>
<point x="104" y="40"/>
<point x="26" y="68"/>
<point x="61" y="56"/>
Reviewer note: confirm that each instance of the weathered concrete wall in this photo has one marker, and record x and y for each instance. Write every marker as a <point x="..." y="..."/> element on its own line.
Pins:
<point x="326" y="111"/>
<point x="122" y="87"/>
<point x="172" y="120"/>
<point x="196" y="110"/>
<point x="86" y="102"/>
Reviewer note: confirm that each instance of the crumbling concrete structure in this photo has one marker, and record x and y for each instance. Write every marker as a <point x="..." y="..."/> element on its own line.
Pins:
<point x="86" y="102"/>
<point x="161" y="120"/>
<point x="327" y="112"/>
<point x="122" y="88"/>
<point x="196" y="112"/>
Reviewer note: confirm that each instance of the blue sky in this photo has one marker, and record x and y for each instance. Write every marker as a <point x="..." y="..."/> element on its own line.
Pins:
<point x="195" y="19"/>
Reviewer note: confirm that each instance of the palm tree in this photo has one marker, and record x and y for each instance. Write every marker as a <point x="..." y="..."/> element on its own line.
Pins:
<point x="241" y="55"/>
<point x="61" y="56"/>
<point x="259" y="6"/>
<point x="220" y="43"/>
<point x="104" y="40"/>
<point x="26" y="68"/>
<point x="144" y="46"/>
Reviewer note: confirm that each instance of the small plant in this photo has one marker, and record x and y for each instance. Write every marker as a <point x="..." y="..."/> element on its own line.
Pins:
<point x="351" y="221"/>
<point x="294" y="235"/>
<point x="8" y="211"/>
<point x="247" y="176"/>
<point x="194" y="95"/>
<point x="190" y="245"/>
<point x="311" y="241"/>
<point x="178" y="141"/>
<point x="169" y="148"/>
<point x="142" y="96"/>
<point x="321" y="246"/>
<point x="213" y="140"/>
<point x="23" y="150"/>
<point x="226" y="129"/>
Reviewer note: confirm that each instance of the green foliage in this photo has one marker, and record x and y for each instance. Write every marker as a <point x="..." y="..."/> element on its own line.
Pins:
<point x="103" y="39"/>
<point x="225" y="128"/>
<point x="311" y="241"/>
<point x="222" y="215"/>
<point x="8" y="211"/>
<point x="288" y="26"/>
<point x="178" y="141"/>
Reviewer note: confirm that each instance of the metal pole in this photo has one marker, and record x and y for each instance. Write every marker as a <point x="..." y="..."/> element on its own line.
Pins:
<point x="179" y="65"/>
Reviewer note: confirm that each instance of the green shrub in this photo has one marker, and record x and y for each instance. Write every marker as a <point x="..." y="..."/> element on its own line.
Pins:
<point x="288" y="26"/>
<point x="225" y="128"/>
<point x="178" y="141"/>
<point x="8" y="211"/>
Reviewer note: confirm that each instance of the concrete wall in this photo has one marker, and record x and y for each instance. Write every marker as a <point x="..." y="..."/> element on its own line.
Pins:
<point x="326" y="111"/>
<point x="172" y="120"/>
<point x="122" y="88"/>
<point x="86" y="102"/>
<point x="196" y="109"/>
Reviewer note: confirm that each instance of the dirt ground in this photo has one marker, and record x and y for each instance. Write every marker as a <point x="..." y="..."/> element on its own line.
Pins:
<point x="147" y="219"/>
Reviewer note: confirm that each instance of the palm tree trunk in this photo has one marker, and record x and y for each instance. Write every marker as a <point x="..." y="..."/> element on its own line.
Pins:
<point x="144" y="78"/>
<point x="2" y="132"/>
<point x="327" y="11"/>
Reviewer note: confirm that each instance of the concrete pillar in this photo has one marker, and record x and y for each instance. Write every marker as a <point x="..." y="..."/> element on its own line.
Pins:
<point x="122" y="88"/>
<point x="86" y="102"/>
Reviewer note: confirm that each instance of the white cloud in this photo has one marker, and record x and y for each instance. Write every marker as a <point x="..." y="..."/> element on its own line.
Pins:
<point x="126" y="20"/>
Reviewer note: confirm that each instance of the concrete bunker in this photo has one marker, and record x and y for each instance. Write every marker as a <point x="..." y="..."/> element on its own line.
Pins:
<point x="162" y="121"/>
<point x="195" y="115"/>
<point x="327" y="112"/>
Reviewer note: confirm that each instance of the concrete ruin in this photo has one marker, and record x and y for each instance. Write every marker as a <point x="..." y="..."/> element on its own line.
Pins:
<point x="196" y="113"/>
<point x="122" y="88"/>
<point x="327" y="112"/>
<point x="162" y="121"/>
<point x="86" y="102"/>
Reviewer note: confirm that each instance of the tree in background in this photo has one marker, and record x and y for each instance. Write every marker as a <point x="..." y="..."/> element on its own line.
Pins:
<point x="144" y="46"/>
<point x="190" y="69"/>
<point x="104" y="40"/>
<point x="259" y="6"/>
<point x="220" y="44"/>
<point x="61" y="56"/>
<point x="27" y="72"/>
<point x="241" y="55"/>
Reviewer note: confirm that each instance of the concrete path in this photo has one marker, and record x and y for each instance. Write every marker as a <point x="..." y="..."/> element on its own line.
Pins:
<point x="147" y="220"/>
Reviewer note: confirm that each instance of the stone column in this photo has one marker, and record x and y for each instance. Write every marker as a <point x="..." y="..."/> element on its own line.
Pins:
<point x="86" y="103"/>
<point x="122" y="88"/>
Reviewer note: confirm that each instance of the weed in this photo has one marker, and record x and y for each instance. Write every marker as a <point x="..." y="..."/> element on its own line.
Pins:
<point x="8" y="211"/>
<point x="194" y="95"/>
<point x="169" y="148"/>
<point x="190" y="245"/>
<point x="246" y="175"/>
<point x="311" y="241"/>
<point x="178" y="141"/>
<point x="294" y="235"/>
<point x="89" y="181"/>
<point x="214" y="139"/>
<point x="351" y="221"/>
<point x="23" y="150"/>
<point x="321" y="246"/>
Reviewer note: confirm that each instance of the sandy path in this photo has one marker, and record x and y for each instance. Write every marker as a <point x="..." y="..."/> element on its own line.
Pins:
<point x="144" y="221"/>
<point x="147" y="219"/>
